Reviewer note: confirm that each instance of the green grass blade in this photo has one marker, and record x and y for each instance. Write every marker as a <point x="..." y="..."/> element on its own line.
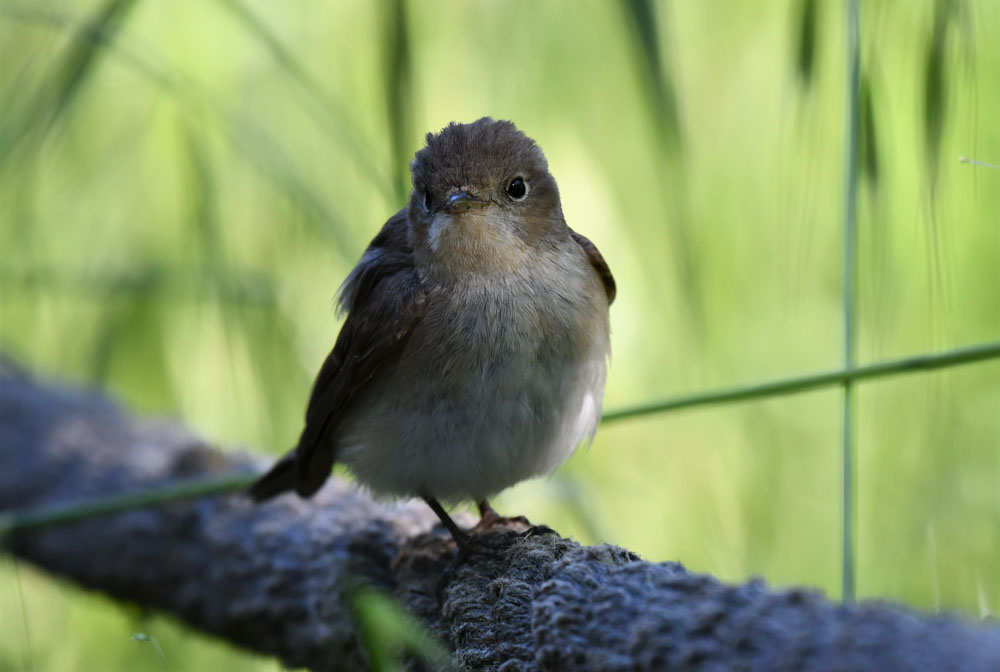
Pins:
<point x="388" y="631"/>
<point x="64" y="513"/>
<point x="202" y="197"/>
<point x="84" y="54"/>
<point x="330" y="113"/>
<point x="398" y="86"/>
<point x="806" y="46"/>
<point x="935" y="88"/>
<point x="816" y="381"/>
<point x="58" y="90"/>
<point x="850" y="251"/>
<point x="642" y="19"/>
<point x="868" y="140"/>
<point x="267" y="157"/>
<point x="29" y="660"/>
<point x="661" y="103"/>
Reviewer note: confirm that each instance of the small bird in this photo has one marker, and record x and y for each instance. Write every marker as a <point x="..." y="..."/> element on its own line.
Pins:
<point x="474" y="351"/>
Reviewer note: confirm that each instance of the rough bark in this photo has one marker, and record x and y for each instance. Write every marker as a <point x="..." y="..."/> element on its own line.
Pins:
<point x="273" y="577"/>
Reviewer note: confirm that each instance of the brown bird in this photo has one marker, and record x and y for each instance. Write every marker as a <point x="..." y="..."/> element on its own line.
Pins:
<point x="474" y="350"/>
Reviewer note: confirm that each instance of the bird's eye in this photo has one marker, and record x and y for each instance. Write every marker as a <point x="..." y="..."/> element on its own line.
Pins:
<point x="427" y="200"/>
<point x="517" y="189"/>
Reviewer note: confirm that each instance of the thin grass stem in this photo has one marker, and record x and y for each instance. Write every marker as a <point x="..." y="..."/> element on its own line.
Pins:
<point x="850" y="226"/>
<point x="785" y="386"/>
<point x="70" y="512"/>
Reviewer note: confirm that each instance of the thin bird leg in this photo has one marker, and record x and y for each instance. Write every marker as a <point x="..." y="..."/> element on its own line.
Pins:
<point x="487" y="515"/>
<point x="460" y="537"/>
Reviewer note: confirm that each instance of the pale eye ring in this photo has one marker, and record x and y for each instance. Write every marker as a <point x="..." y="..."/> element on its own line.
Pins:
<point x="518" y="189"/>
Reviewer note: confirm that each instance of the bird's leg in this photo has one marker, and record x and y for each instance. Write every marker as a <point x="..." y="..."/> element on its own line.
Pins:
<point x="487" y="516"/>
<point x="461" y="538"/>
<point x="469" y="542"/>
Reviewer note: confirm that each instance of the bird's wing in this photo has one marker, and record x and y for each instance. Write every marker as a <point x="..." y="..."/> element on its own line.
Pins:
<point x="383" y="298"/>
<point x="597" y="261"/>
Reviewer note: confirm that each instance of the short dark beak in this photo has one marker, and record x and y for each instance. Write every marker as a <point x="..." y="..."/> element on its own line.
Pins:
<point x="462" y="201"/>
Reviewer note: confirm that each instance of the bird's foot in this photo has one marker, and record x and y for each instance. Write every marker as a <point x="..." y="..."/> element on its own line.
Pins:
<point x="492" y="536"/>
<point x="484" y="539"/>
<point x="489" y="519"/>
<point x="537" y="531"/>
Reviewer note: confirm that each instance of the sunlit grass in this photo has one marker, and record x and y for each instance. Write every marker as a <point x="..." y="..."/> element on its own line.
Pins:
<point x="183" y="186"/>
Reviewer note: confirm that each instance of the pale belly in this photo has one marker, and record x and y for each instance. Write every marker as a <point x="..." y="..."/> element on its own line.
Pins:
<point x="476" y="405"/>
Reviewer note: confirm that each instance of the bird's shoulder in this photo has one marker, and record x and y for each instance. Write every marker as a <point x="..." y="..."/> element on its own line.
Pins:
<point x="388" y="254"/>
<point x="597" y="261"/>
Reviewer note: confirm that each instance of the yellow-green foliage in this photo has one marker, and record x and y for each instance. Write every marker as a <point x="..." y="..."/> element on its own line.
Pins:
<point x="183" y="184"/>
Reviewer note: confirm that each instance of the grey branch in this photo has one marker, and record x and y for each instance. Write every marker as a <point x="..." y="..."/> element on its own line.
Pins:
<point x="274" y="578"/>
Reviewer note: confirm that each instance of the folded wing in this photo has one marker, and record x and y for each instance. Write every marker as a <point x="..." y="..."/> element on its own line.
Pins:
<point x="383" y="299"/>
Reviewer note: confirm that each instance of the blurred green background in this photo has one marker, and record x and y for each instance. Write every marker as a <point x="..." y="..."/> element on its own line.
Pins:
<point x="184" y="184"/>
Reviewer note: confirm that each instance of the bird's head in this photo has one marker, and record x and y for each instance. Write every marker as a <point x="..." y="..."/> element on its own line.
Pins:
<point x="482" y="197"/>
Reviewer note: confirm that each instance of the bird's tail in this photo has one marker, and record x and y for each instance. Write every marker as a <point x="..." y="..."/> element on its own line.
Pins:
<point x="280" y="478"/>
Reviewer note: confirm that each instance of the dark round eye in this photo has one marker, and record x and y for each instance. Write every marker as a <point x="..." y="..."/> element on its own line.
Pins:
<point x="427" y="200"/>
<point x="517" y="189"/>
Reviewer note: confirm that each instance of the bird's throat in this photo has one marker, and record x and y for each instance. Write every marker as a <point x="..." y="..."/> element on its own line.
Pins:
<point x="475" y="242"/>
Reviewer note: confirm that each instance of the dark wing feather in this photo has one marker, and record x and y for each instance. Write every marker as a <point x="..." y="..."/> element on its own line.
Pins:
<point x="383" y="298"/>
<point x="597" y="260"/>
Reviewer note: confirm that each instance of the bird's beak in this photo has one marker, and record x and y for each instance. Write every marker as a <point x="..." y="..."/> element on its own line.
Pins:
<point x="463" y="201"/>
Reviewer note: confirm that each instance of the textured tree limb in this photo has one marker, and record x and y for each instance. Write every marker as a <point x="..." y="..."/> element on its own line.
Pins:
<point x="273" y="577"/>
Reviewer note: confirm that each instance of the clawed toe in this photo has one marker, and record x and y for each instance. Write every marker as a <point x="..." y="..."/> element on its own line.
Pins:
<point x="536" y="530"/>
<point x="488" y="522"/>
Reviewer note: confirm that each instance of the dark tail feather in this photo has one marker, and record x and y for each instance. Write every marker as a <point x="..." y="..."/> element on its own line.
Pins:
<point x="280" y="478"/>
